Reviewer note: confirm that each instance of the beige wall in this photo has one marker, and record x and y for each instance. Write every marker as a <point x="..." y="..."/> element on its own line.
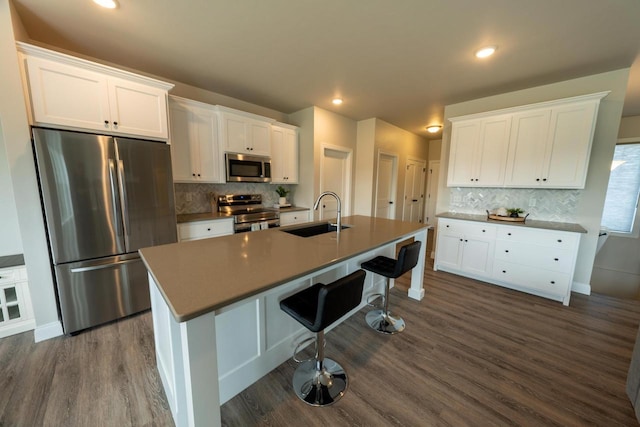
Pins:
<point x="365" y="173"/>
<point x="10" y="241"/>
<point x="589" y="210"/>
<point x="304" y="192"/>
<point x="17" y="142"/>
<point x="616" y="269"/>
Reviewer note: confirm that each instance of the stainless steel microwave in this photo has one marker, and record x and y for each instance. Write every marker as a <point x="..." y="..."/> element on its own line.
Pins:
<point x="242" y="168"/>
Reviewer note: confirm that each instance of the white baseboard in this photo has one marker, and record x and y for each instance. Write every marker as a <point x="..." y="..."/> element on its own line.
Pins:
<point x="48" y="331"/>
<point x="581" y="288"/>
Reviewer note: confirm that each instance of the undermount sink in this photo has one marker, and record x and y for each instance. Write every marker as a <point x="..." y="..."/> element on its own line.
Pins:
<point x="314" y="230"/>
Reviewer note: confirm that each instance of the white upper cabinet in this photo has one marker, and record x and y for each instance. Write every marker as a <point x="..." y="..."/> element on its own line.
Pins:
<point x="479" y="152"/>
<point x="73" y="93"/>
<point x="540" y="145"/>
<point x="284" y="154"/>
<point x="194" y="141"/>
<point x="244" y="133"/>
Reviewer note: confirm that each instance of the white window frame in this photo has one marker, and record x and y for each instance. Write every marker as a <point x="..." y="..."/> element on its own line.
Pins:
<point x="635" y="231"/>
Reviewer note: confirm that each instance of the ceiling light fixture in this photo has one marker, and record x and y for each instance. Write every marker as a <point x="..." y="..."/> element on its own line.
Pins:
<point x="337" y="101"/>
<point x="109" y="4"/>
<point x="486" y="51"/>
<point x="433" y="128"/>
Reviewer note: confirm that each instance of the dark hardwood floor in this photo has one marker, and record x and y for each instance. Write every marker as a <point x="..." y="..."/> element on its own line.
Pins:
<point x="472" y="354"/>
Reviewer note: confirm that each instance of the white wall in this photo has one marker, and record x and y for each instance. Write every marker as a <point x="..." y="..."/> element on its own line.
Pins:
<point x="15" y="131"/>
<point x="589" y="208"/>
<point x="364" y="197"/>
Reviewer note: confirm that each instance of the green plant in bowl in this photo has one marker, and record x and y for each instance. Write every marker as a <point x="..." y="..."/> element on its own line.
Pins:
<point x="514" y="212"/>
<point x="282" y="192"/>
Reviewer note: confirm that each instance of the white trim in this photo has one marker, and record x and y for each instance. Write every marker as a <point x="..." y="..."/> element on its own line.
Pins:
<point x="48" y="331"/>
<point x="63" y="58"/>
<point x="393" y="184"/>
<point x="581" y="288"/>
<point x="546" y="104"/>
<point x="635" y="231"/>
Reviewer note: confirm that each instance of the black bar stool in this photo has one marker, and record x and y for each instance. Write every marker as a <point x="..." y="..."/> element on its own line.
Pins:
<point x="321" y="381"/>
<point x="381" y="319"/>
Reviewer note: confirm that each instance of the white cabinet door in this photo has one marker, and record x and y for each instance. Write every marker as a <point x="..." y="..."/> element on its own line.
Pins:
<point x="284" y="155"/>
<point x="477" y="256"/>
<point x="204" y="229"/>
<point x="464" y="141"/>
<point x="259" y="136"/>
<point x="527" y="148"/>
<point x="449" y="250"/>
<point x="68" y="96"/>
<point x="239" y="134"/>
<point x="194" y="140"/>
<point x="138" y="109"/>
<point x="479" y="151"/>
<point x="569" y="145"/>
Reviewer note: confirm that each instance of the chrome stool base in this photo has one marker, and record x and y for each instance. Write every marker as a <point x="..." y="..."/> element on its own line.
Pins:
<point x="320" y="387"/>
<point x="384" y="322"/>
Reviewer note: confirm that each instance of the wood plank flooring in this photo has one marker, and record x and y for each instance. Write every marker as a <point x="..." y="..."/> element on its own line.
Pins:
<point x="472" y="354"/>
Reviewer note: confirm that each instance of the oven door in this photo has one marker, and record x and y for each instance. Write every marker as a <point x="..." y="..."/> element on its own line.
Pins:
<point x="255" y="226"/>
<point x="241" y="168"/>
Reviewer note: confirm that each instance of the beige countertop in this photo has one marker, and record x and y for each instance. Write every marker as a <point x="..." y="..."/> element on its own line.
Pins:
<point x="529" y="223"/>
<point x="199" y="276"/>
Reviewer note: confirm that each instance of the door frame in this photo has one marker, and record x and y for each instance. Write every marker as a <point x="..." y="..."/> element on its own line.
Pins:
<point x="346" y="198"/>
<point x="393" y="185"/>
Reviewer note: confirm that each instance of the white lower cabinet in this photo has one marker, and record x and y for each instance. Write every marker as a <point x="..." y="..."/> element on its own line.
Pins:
<point x="466" y="246"/>
<point x="16" y="313"/>
<point x="297" y="217"/>
<point x="532" y="260"/>
<point x="204" y="229"/>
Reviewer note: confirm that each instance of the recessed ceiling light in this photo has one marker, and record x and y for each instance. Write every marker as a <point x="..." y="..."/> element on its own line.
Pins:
<point x="337" y="101"/>
<point x="109" y="4"/>
<point x="433" y="128"/>
<point x="486" y="51"/>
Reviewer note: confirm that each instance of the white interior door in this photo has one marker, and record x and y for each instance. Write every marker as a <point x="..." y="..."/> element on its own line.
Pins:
<point x="386" y="185"/>
<point x="335" y="171"/>
<point x="414" y="190"/>
<point x="432" y="192"/>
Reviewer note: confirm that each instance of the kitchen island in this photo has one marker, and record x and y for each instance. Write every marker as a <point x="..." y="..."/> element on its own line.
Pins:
<point x="218" y="326"/>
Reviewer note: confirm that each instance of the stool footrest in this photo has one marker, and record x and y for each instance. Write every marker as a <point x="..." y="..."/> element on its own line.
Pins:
<point x="370" y="299"/>
<point x="304" y="343"/>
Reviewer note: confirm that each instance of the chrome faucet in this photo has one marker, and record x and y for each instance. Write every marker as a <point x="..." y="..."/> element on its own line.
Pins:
<point x="339" y="215"/>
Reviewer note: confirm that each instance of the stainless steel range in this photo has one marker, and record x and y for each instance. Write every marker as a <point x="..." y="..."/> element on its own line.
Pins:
<point x="248" y="212"/>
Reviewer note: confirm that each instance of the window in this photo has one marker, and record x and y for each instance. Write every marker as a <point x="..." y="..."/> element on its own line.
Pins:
<point x="621" y="203"/>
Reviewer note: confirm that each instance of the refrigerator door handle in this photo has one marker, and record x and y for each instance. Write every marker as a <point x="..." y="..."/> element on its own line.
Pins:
<point x="123" y="202"/>
<point x="114" y="191"/>
<point x="103" y="266"/>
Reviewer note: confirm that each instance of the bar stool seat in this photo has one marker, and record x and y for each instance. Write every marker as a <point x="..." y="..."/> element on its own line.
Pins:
<point x="381" y="320"/>
<point x="322" y="381"/>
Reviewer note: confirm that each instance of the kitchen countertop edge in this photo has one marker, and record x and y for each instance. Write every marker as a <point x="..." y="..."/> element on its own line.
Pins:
<point x="545" y="225"/>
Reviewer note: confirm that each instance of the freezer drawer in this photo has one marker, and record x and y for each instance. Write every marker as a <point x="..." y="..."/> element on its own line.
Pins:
<point x="98" y="291"/>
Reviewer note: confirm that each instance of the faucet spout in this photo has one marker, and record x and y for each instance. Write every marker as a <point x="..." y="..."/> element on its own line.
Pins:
<point x="338" y="214"/>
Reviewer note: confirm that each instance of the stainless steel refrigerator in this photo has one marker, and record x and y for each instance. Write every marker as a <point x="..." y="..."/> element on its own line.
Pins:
<point x="104" y="198"/>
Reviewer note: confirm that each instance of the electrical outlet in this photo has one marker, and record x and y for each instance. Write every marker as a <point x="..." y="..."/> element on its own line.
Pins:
<point x="532" y="202"/>
<point x="457" y="198"/>
<point x="188" y="197"/>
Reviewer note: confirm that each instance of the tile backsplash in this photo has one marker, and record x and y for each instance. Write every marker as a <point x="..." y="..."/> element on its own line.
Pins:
<point x="544" y="205"/>
<point x="196" y="198"/>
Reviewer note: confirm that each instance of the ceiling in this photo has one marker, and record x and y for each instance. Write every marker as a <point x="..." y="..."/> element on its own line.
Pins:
<point x="401" y="61"/>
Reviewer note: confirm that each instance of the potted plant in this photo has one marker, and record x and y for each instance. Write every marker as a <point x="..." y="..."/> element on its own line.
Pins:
<point x="515" y="212"/>
<point x="282" y="192"/>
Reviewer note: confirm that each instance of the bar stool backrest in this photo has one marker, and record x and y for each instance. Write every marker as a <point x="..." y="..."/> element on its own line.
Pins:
<point x="338" y="298"/>
<point x="407" y="258"/>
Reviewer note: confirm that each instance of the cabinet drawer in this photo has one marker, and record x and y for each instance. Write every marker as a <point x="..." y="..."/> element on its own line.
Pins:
<point x="536" y="236"/>
<point x="10" y="275"/>
<point x="288" y="218"/>
<point x="467" y="228"/>
<point x="551" y="282"/>
<point x="556" y="259"/>
<point x="205" y="229"/>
